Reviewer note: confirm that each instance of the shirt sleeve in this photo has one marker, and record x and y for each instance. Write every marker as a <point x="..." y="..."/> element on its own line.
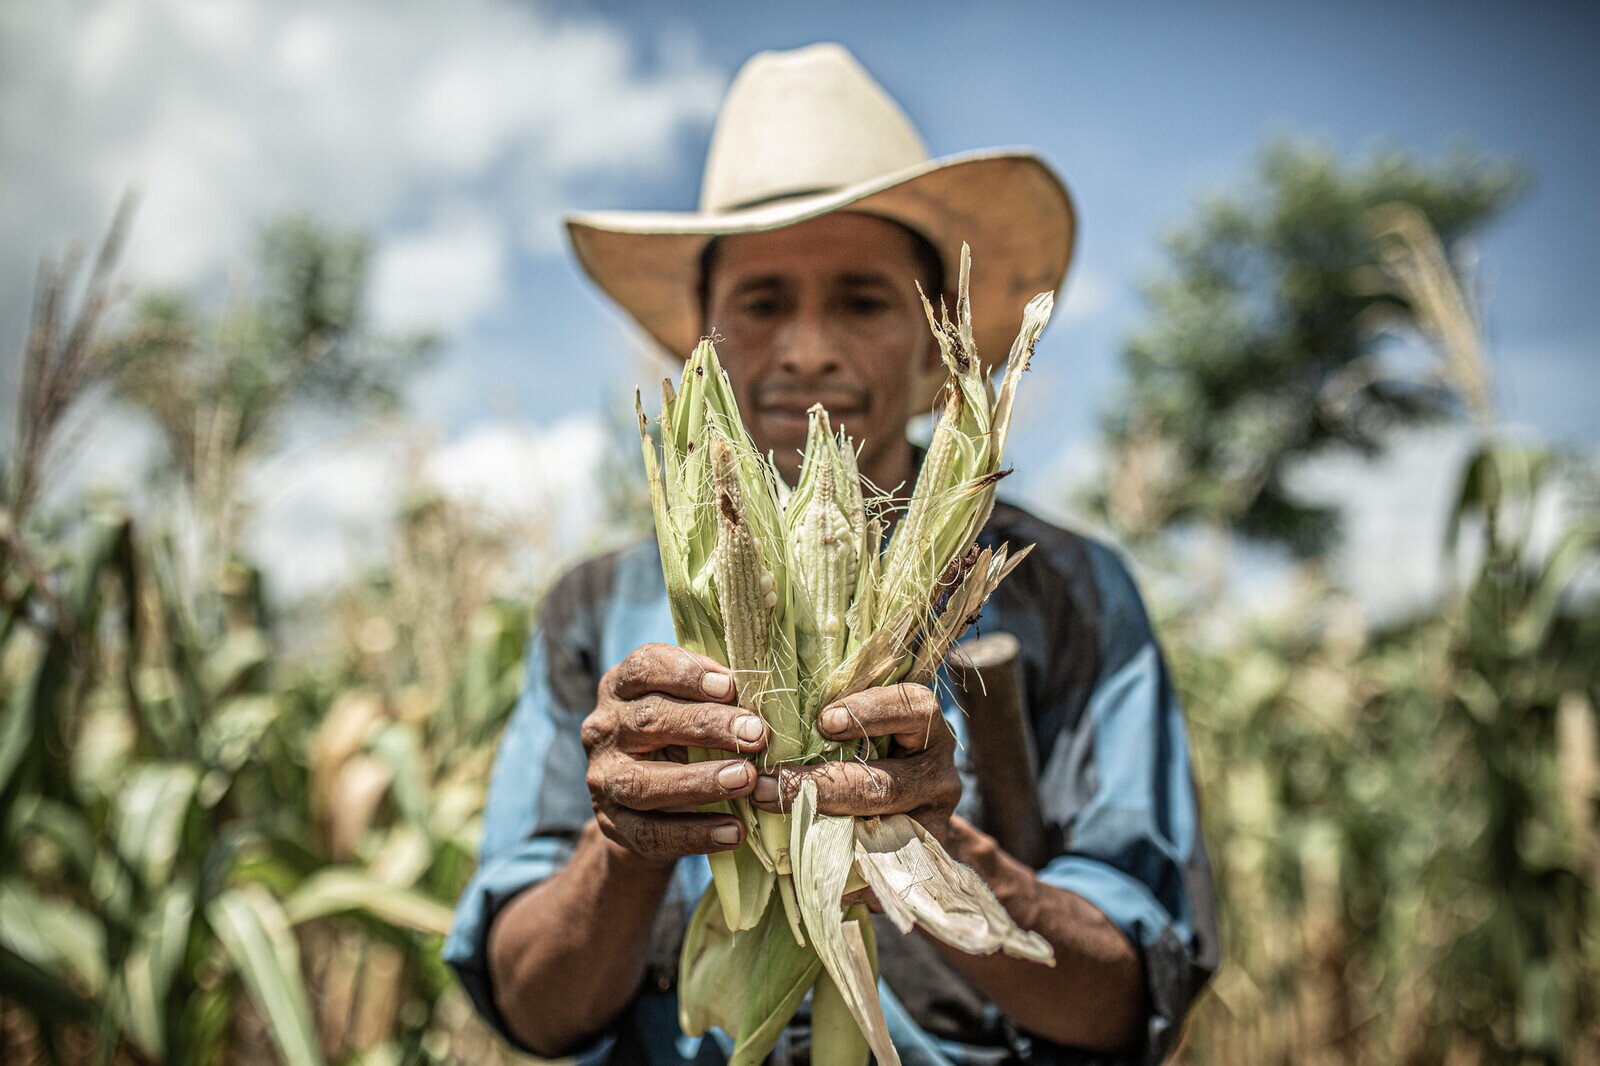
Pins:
<point x="1117" y="793"/>
<point x="538" y="798"/>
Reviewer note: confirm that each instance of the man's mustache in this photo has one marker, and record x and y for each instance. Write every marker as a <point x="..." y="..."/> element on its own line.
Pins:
<point x="833" y="397"/>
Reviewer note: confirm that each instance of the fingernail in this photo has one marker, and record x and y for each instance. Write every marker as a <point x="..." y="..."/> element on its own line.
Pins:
<point x="734" y="776"/>
<point x="835" y="720"/>
<point x="748" y="728"/>
<point x="766" y="789"/>
<point x="725" y="834"/>
<point x="716" y="685"/>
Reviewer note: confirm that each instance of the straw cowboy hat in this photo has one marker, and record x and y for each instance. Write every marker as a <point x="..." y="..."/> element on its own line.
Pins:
<point x="809" y="132"/>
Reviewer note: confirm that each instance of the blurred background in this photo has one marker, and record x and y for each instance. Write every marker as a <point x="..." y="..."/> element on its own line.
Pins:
<point x="304" y="403"/>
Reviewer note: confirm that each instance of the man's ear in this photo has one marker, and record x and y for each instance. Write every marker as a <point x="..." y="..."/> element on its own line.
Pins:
<point x="930" y="354"/>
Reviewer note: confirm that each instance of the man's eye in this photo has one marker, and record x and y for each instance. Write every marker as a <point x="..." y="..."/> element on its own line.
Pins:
<point x="866" y="305"/>
<point x="764" y="307"/>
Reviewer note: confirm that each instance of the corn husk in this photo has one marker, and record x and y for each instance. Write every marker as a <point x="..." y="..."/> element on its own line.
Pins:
<point x="822" y="848"/>
<point x="918" y="883"/>
<point x="796" y="593"/>
<point x="749" y="983"/>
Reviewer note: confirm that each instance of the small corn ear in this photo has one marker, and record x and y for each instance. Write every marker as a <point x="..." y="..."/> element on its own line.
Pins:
<point x="863" y="606"/>
<point x="1034" y="318"/>
<point x="745" y="589"/>
<point x="824" y="539"/>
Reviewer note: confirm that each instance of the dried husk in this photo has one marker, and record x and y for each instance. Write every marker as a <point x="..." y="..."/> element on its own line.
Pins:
<point x="822" y="849"/>
<point x="919" y="884"/>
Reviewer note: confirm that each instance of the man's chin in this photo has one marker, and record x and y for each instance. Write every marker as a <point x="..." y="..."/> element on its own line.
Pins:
<point x="782" y="435"/>
<point x="789" y="427"/>
<point x="782" y="426"/>
<point x="788" y="469"/>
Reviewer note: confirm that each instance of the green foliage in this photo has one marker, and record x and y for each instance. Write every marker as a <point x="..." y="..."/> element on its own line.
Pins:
<point x="222" y="389"/>
<point x="184" y="829"/>
<point x="1262" y="346"/>
<point x="1405" y="824"/>
<point x="212" y="851"/>
<point x="1521" y="649"/>
<point x="300" y="338"/>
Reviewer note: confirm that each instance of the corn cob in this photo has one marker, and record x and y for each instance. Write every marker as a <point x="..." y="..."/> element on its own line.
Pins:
<point x="825" y="539"/>
<point x="744" y="587"/>
<point x="801" y="600"/>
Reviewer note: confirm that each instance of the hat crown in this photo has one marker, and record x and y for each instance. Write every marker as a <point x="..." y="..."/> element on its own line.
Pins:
<point x="807" y="121"/>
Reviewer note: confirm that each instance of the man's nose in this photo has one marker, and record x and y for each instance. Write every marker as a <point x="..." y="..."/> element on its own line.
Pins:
<point x="807" y="349"/>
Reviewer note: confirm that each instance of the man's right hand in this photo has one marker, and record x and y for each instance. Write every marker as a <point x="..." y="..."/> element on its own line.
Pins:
<point x="653" y="706"/>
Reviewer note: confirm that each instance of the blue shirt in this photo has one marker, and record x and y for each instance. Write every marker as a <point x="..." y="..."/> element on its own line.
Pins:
<point x="1111" y="758"/>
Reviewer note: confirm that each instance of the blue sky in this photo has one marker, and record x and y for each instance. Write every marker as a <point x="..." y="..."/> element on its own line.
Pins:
<point x="457" y="134"/>
<point x="1145" y="107"/>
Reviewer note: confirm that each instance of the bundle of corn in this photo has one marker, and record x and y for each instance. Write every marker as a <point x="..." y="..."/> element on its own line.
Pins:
<point x="798" y="597"/>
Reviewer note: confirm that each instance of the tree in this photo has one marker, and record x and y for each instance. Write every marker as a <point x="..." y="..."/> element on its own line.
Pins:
<point x="1263" y="345"/>
<point x="221" y="390"/>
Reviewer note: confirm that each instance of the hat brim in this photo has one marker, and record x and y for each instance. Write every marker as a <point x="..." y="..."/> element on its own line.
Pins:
<point x="1008" y="205"/>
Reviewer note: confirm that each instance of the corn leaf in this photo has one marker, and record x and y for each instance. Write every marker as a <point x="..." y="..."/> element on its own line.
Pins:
<point x="836" y="1039"/>
<point x="228" y="665"/>
<point x="399" y="746"/>
<point x="231" y="734"/>
<point x="783" y="973"/>
<point x="153" y="964"/>
<point x="41" y="990"/>
<point x="743" y="885"/>
<point x="337" y="890"/>
<point x="820" y="849"/>
<point x="255" y="932"/>
<point x="748" y="985"/>
<point x="151" y="815"/>
<point x="53" y="934"/>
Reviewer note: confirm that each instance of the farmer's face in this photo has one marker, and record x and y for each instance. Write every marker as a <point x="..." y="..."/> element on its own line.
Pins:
<point x="824" y="311"/>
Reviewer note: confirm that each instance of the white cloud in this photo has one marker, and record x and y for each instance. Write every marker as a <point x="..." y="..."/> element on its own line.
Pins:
<point x="323" y="513"/>
<point x="441" y="276"/>
<point x="1088" y="294"/>
<point x="325" y="509"/>
<point x="372" y="114"/>
<point x="1395" y="508"/>
<point x="545" y="479"/>
<point x="103" y="451"/>
<point x="1550" y="388"/>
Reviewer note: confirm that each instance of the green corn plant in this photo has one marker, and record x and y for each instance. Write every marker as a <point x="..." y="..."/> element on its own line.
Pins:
<point x="211" y="850"/>
<point x="798" y="595"/>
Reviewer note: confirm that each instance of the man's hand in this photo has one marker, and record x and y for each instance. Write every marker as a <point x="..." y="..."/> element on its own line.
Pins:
<point x="652" y="707"/>
<point x="917" y="777"/>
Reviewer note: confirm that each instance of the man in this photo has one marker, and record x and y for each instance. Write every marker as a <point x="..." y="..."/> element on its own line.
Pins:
<point x="821" y="213"/>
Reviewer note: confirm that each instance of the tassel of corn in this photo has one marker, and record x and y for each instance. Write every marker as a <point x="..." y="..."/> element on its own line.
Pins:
<point x="959" y="452"/>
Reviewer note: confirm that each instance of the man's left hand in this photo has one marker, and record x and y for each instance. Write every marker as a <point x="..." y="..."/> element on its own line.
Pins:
<point x="917" y="776"/>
